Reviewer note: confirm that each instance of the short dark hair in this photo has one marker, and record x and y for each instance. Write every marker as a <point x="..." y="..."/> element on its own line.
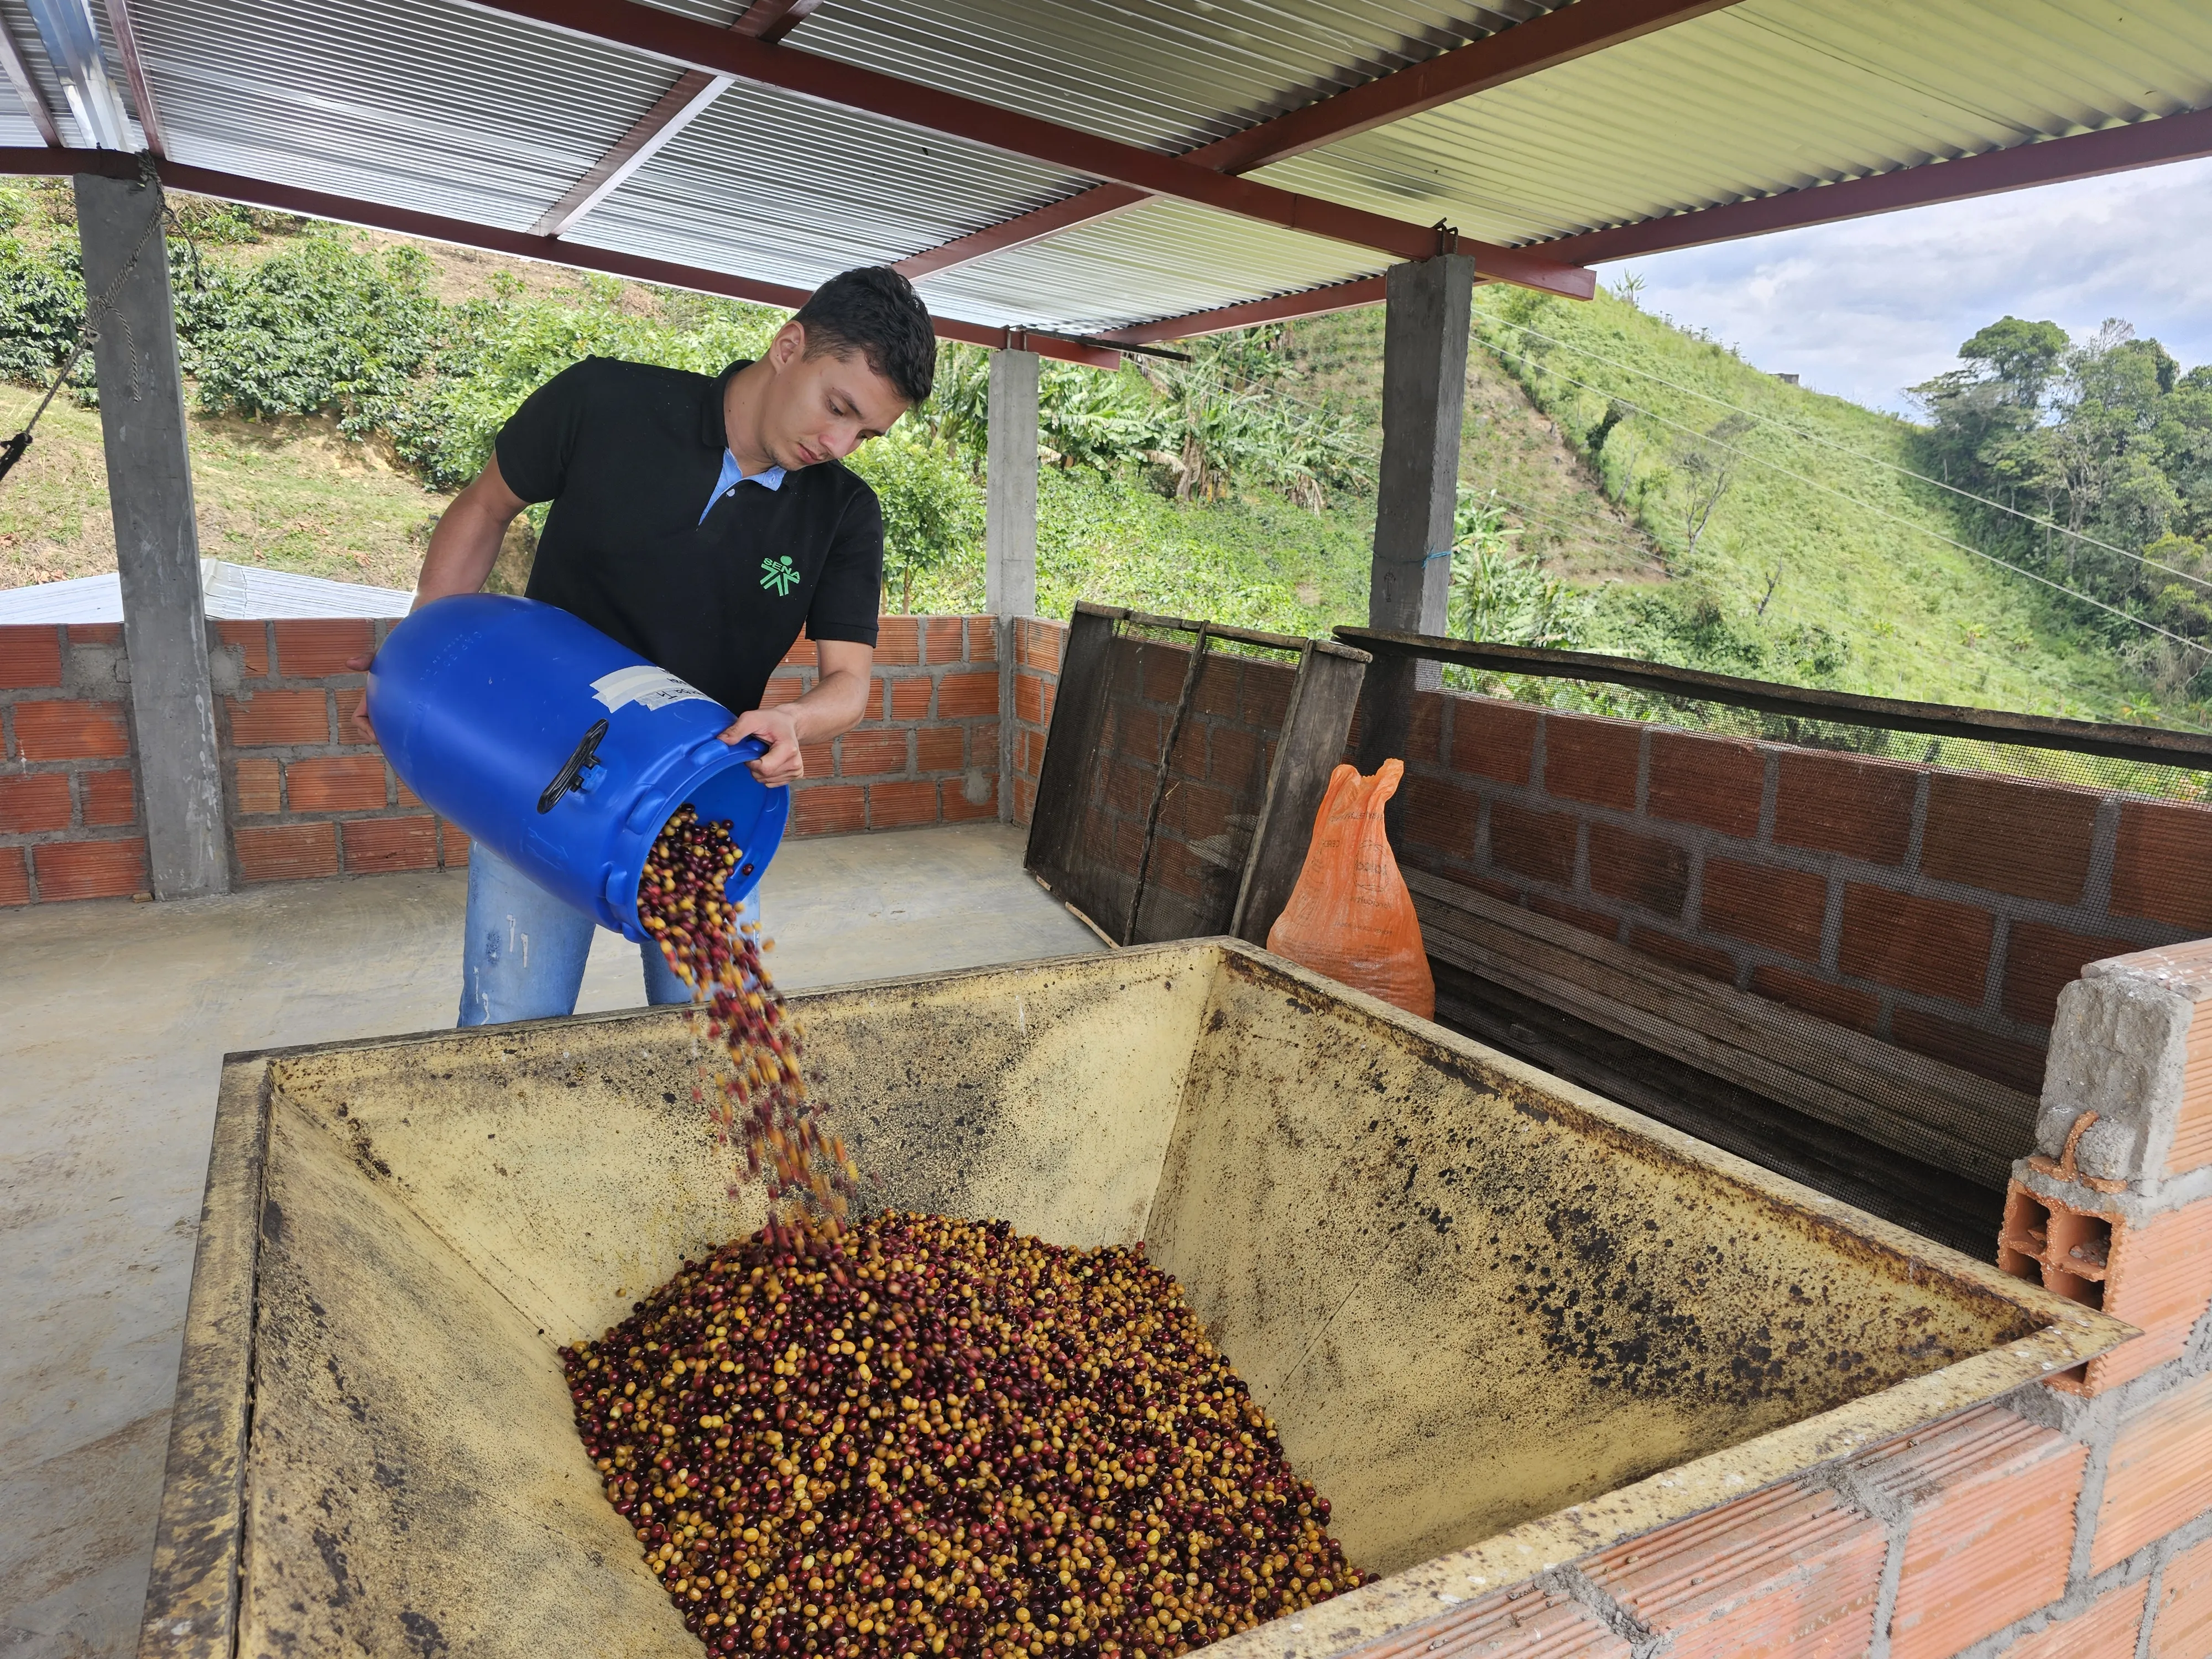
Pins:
<point x="874" y="311"/>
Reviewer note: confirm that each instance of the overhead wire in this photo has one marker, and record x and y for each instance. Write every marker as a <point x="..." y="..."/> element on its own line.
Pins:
<point x="1867" y="506"/>
<point x="1811" y="436"/>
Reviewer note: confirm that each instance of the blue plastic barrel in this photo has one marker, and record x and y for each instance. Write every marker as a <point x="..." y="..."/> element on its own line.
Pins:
<point x="561" y="751"/>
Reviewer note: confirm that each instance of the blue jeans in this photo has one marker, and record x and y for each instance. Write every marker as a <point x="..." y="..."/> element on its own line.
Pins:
<point x="523" y="954"/>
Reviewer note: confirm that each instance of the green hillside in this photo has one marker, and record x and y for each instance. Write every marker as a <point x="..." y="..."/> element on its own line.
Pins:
<point x="1628" y="487"/>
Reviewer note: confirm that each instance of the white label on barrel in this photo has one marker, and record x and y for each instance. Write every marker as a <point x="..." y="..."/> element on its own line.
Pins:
<point x="656" y="688"/>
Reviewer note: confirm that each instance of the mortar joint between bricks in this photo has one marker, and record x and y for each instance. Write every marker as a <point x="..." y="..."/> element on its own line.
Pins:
<point x="1570" y="1582"/>
<point x="1893" y="1515"/>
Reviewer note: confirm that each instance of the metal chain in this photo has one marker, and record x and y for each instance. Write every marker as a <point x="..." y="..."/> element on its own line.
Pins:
<point x="13" y="450"/>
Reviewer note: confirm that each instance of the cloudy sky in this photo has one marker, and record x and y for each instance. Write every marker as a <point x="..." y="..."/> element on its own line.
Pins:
<point x="1866" y="308"/>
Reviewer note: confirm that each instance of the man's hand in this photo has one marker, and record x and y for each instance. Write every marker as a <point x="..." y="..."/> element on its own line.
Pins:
<point x="779" y="727"/>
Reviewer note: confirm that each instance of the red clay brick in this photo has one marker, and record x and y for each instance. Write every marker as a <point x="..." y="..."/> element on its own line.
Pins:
<point x="95" y="633"/>
<point x="1782" y="909"/>
<point x="1268" y="694"/>
<point x="2002" y="1059"/>
<point x="944" y="639"/>
<point x="984" y="640"/>
<point x="1033" y="699"/>
<point x="908" y="700"/>
<point x="803" y="654"/>
<point x="1425" y="732"/>
<point x="958" y="808"/>
<point x="1715" y="781"/>
<point x="1587" y="759"/>
<point x="898" y="643"/>
<point x="870" y="754"/>
<point x="1525" y="1619"/>
<point x="30" y="656"/>
<point x="1537" y="844"/>
<point x="1932" y="945"/>
<point x="2162" y="866"/>
<point x="2040" y="962"/>
<point x="89" y="869"/>
<point x="2031" y="839"/>
<point x="1493" y="738"/>
<point x="66" y="728"/>
<point x="2181" y="1628"/>
<point x="2107" y="1630"/>
<point x="35" y="800"/>
<point x="1845" y="804"/>
<point x="1135" y="733"/>
<point x="1129" y="789"/>
<point x="280" y="717"/>
<point x="1233" y="758"/>
<point x="1441" y="816"/>
<point x="782" y="688"/>
<point x="335" y="783"/>
<point x="1024" y="801"/>
<point x="287" y="852"/>
<point x="374" y="845"/>
<point x="1160" y="668"/>
<point x="2158" y="1277"/>
<point x="1786" y="1572"/>
<point x="453" y="844"/>
<point x="1685" y="954"/>
<point x="258" y="786"/>
<point x="14" y="876"/>
<point x="941" y="749"/>
<point x="1194" y="811"/>
<point x="309" y="648"/>
<point x="353" y="717"/>
<point x="828" y="809"/>
<point x="818" y="760"/>
<point x="1646" y="870"/>
<point x="967" y="694"/>
<point x="1576" y="915"/>
<point x="1992" y="1501"/>
<point x="894" y="805"/>
<point x="1219" y="688"/>
<point x="1838" y="1003"/>
<point x="109" y="797"/>
<point x="2161" y="1472"/>
<point x="1037" y="644"/>
<point x="403" y="795"/>
<point x="251" y="640"/>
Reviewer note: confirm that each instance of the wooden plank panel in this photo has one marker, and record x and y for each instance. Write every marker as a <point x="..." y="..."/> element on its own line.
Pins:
<point x="1319" y="720"/>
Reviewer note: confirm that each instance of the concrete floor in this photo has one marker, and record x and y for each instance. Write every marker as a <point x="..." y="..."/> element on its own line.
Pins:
<point x="117" y="1017"/>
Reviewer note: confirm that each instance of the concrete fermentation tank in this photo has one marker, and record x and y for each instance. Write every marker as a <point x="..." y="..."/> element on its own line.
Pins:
<point x="1500" y="1322"/>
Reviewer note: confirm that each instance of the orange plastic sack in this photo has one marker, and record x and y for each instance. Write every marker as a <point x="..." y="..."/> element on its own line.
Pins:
<point x="1350" y="916"/>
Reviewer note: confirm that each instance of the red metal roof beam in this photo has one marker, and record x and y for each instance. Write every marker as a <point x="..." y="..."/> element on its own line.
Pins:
<point x="701" y="45"/>
<point x="518" y="244"/>
<point x="2022" y="167"/>
<point x="1496" y="60"/>
<point x="27" y="89"/>
<point x="134" y="70"/>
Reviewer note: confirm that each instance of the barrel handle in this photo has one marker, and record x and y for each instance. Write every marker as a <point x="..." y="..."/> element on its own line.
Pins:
<point x="571" y="774"/>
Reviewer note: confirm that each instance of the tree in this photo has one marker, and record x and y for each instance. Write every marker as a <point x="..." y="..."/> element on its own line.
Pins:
<point x="1708" y="467"/>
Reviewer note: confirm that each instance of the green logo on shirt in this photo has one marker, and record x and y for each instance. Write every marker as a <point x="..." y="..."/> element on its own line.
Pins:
<point x="779" y="574"/>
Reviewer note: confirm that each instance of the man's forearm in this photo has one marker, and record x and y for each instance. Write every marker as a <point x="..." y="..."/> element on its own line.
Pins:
<point x="462" y="549"/>
<point x="837" y="703"/>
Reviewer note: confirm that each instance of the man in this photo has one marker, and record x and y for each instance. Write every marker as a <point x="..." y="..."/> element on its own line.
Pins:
<point x="701" y="522"/>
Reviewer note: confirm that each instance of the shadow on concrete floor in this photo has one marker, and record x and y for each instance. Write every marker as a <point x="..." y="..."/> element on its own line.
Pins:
<point x="119" y="1016"/>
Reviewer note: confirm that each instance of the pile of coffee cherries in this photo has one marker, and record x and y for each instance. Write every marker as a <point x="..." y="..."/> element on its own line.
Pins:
<point x="924" y="1436"/>
<point x="754" y="1092"/>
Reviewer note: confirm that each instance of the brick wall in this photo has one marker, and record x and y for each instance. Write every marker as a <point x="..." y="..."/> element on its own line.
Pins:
<point x="307" y="792"/>
<point x="1038" y="645"/>
<point x="1939" y="910"/>
<point x="929" y="750"/>
<point x="2072" y="1520"/>
<point x="70" y="824"/>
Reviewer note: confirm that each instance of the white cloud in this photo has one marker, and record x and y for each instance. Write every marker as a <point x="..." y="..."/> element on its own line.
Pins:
<point x="1865" y="308"/>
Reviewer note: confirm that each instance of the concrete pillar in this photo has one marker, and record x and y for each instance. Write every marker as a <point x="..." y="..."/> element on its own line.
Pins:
<point x="1010" y="485"/>
<point x="1423" y="396"/>
<point x="150" y="494"/>
<point x="1010" y="510"/>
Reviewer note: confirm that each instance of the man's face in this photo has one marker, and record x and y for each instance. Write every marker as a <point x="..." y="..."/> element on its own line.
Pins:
<point x="825" y="407"/>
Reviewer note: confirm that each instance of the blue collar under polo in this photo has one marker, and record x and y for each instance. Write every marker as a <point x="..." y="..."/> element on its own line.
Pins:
<point x="732" y="476"/>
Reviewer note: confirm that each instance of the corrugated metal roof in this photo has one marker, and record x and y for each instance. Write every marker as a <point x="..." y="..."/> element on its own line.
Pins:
<point x="238" y="592"/>
<point x="437" y="105"/>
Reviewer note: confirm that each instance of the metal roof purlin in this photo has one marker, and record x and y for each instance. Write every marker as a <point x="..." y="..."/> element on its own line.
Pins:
<point x="771" y="20"/>
<point x="27" y="89"/>
<point x="1541" y="42"/>
<point x="134" y="70"/>
<point x="521" y="244"/>
<point x="701" y="45"/>
<point x="2053" y="160"/>
<point x="675" y="109"/>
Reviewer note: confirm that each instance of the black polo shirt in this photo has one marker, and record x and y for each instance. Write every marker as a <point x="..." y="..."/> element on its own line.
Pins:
<point x="629" y="454"/>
